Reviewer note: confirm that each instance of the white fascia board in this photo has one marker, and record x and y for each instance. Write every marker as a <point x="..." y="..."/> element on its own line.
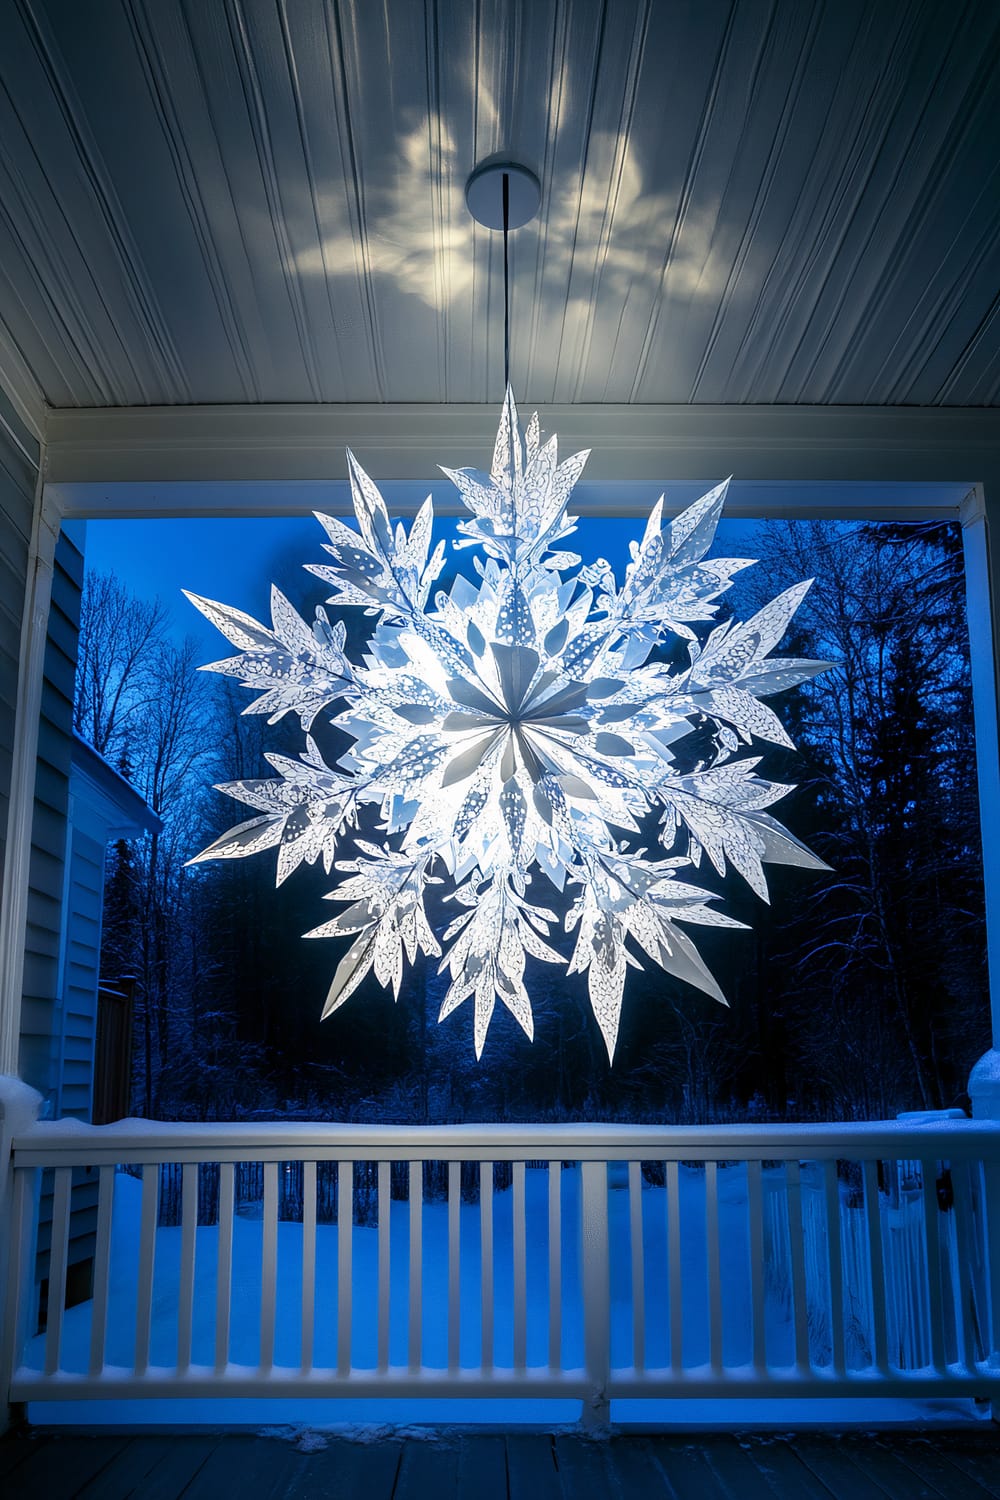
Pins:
<point x="747" y="499"/>
<point x="651" y="444"/>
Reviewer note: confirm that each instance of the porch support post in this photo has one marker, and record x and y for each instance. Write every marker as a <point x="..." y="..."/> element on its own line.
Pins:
<point x="982" y="581"/>
<point x="16" y="873"/>
<point x="596" y="1413"/>
<point x="19" y="1106"/>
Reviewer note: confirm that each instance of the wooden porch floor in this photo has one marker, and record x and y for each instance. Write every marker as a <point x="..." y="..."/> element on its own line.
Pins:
<point x="486" y="1466"/>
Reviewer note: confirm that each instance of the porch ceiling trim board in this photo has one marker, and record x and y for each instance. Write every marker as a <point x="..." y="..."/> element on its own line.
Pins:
<point x="409" y="440"/>
<point x="182" y="499"/>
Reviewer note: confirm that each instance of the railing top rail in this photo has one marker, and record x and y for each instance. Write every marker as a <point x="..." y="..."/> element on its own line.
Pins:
<point x="67" y="1142"/>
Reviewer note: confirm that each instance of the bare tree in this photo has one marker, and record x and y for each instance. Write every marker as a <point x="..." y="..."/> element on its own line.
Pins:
<point x="888" y="950"/>
<point x="142" y="704"/>
<point x="120" y="637"/>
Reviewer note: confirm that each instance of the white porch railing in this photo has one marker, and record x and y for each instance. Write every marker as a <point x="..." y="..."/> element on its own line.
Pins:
<point x="581" y="1261"/>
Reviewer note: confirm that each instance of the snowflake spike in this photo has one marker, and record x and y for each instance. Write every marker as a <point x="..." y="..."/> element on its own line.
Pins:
<point x="508" y="463"/>
<point x="246" y="838"/>
<point x="521" y="725"/>
<point x="370" y="509"/>
<point x="697" y="524"/>
<point x="606" y="1003"/>
<point x="239" y="628"/>
<point x="350" y="971"/>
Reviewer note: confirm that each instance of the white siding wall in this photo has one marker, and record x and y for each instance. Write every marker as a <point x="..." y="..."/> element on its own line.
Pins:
<point x="48" y="838"/>
<point x="82" y="956"/>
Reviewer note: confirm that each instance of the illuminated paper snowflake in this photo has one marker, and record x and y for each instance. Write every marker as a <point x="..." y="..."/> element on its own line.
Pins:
<point x="522" y="729"/>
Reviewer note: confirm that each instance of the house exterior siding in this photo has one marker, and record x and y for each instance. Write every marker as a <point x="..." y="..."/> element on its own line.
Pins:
<point x="43" y="933"/>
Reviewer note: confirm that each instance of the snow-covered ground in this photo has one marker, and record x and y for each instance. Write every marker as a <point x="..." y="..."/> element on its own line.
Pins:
<point x="246" y="1293"/>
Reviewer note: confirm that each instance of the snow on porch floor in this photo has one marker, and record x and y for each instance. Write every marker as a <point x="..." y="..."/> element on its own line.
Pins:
<point x="408" y="1465"/>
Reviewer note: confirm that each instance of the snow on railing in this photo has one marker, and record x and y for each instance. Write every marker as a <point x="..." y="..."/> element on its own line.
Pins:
<point x="581" y="1261"/>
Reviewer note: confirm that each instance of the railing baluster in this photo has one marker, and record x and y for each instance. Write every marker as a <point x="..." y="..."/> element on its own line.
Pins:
<point x="269" y="1267"/>
<point x="928" y="1173"/>
<point x="185" y="1296"/>
<point x="147" y="1253"/>
<point x="519" y="1281"/>
<point x="797" y="1259"/>
<point x="836" y="1265"/>
<point x="638" y="1271"/>
<point x="58" y="1254"/>
<point x="966" y="1248"/>
<point x="384" y="1226"/>
<point x="102" y="1268"/>
<point x="596" y="1286"/>
<point x="991" y="1195"/>
<point x="486" y="1260"/>
<point x="755" y="1207"/>
<point x="674" y="1265"/>
<point x="957" y="1256"/>
<point x="875" y="1265"/>
<point x="416" y="1265"/>
<point x="20" y="1270"/>
<point x="223" y="1286"/>
<point x="714" y="1266"/>
<point x="308" y="1264"/>
<point x="454" y="1264"/>
<point x="555" y="1265"/>
<point x="345" y="1248"/>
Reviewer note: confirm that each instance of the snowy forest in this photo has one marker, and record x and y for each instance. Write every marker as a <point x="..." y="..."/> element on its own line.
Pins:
<point x="857" y="994"/>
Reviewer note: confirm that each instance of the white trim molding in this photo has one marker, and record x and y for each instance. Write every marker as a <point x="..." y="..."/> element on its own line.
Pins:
<point x="653" y="444"/>
<point x="981" y="581"/>
<point x="17" y="859"/>
<point x="125" y="500"/>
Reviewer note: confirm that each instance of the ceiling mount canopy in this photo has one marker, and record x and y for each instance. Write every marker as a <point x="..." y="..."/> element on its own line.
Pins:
<point x="484" y="195"/>
<point x="502" y="195"/>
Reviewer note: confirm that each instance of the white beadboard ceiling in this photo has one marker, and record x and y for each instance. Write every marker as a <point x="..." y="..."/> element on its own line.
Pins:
<point x="765" y="201"/>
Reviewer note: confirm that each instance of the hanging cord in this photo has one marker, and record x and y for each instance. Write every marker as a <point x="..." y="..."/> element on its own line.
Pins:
<point x="506" y="283"/>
